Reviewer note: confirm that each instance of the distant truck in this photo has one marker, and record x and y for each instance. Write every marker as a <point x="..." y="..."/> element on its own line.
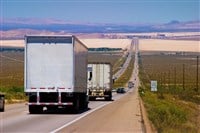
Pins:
<point x="55" y="73"/>
<point x="2" y="102"/>
<point x="100" y="81"/>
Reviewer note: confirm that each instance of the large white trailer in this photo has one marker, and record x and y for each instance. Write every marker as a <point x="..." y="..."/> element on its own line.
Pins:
<point x="55" y="72"/>
<point x="100" y="80"/>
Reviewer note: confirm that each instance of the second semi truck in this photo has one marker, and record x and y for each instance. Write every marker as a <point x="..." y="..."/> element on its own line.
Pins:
<point x="100" y="81"/>
<point x="55" y="73"/>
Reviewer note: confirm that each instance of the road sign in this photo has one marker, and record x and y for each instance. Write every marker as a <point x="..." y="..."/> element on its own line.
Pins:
<point x="153" y="85"/>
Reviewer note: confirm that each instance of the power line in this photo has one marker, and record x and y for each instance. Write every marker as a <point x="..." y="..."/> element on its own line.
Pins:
<point x="183" y="76"/>
<point x="197" y="77"/>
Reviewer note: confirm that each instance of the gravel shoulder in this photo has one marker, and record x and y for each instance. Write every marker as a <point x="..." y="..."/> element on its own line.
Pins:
<point x="122" y="115"/>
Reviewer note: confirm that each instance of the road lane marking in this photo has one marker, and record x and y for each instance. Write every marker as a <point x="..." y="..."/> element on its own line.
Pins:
<point x="82" y="116"/>
<point x="87" y="113"/>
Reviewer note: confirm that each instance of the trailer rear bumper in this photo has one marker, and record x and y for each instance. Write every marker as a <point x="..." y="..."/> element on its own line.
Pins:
<point x="46" y="104"/>
<point x="50" y="99"/>
<point x="54" y="101"/>
<point x="99" y="95"/>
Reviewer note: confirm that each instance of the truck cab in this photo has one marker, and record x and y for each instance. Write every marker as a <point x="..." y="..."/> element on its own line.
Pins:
<point x="130" y="84"/>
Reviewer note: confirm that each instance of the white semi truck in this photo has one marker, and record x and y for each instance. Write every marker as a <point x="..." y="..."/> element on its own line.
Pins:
<point x="100" y="81"/>
<point x="55" y="73"/>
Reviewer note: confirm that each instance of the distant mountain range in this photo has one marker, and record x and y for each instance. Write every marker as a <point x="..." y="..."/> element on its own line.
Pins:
<point x="51" y="26"/>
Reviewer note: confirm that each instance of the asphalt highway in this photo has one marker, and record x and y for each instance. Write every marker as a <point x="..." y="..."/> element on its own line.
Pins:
<point x="16" y="118"/>
<point x="122" y="115"/>
<point x="128" y="59"/>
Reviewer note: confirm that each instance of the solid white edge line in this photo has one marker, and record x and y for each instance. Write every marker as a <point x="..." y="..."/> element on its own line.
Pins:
<point x="71" y="122"/>
<point x="87" y="113"/>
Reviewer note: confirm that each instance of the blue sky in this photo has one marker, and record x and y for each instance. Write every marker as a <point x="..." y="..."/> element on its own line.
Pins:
<point x="103" y="11"/>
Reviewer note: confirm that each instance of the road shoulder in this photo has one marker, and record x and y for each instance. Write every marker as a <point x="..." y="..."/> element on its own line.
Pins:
<point x="148" y="126"/>
<point x="122" y="115"/>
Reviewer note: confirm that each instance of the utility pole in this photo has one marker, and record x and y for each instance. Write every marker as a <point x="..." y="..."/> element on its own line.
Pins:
<point x="169" y="80"/>
<point x="175" y="77"/>
<point x="197" y="78"/>
<point x="183" y="76"/>
<point x="160" y="81"/>
<point x="164" y="80"/>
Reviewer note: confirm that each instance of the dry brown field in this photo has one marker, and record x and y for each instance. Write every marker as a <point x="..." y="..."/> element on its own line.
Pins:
<point x="144" y="44"/>
<point x="170" y="34"/>
<point x="91" y="43"/>
<point x="111" y="43"/>
<point x="169" y="45"/>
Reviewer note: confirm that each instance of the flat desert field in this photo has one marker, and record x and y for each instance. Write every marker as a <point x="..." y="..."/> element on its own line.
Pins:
<point x="169" y="34"/>
<point x="12" y="43"/>
<point x="169" y="45"/>
<point x="90" y="43"/>
<point x="111" y="43"/>
<point x="144" y="44"/>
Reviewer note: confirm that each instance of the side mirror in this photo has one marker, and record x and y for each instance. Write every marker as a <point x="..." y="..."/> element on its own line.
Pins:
<point x="90" y="77"/>
<point x="113" y="81"/>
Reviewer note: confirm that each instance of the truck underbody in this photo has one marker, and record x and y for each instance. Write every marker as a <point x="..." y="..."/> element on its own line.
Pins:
<point x="54" y="100"/>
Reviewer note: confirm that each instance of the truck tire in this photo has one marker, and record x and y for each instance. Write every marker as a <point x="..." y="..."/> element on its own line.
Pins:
<point x="86" y="102"/>
<point x="92" y="98"/>
<point x="83" y="101"/>
<point x="76" y="106"/>
<point x="86" y="105"/>
<point x="35" y="109"/>
<point x="109" y="98"/>
<point x="3" y="107"/>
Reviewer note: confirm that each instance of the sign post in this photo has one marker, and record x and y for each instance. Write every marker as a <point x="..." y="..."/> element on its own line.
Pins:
<point x="153" y="85"/>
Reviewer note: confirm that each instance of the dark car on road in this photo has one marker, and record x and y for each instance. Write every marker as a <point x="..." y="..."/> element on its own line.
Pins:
<point x="2" y="103"/>
<point x="121" y="90"/>
<point x="130" y="84"/>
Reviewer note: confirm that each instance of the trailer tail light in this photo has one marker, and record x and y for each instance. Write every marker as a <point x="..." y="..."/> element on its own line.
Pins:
<point x="51" y="88"/>
<point x="33" y="88"/>
<point x="42" y="87"/>
<point x="61" y="88"/>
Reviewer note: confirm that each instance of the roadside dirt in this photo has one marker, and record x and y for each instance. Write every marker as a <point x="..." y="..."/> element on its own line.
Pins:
<point x="198" y="118"/>
<point x="122" y="115"/>
<point x="148" y="126"/>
